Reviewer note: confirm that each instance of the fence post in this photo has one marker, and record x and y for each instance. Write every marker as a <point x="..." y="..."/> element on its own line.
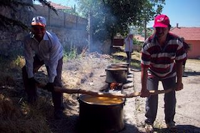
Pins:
<point x="49" y="23"/>
<point x="64" y="19"/>
<point x="76" y="22"/>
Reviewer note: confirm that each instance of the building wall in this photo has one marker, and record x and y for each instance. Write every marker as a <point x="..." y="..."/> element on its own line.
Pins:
<point x="194" y="52"/>
<point x="71" y="38"/>
<point x="70" y="29"/>
<point x="10" y="41"/>
<point x="61" y="19"/>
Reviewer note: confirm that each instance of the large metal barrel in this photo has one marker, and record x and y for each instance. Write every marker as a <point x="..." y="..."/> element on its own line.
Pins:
<point x="101" y="114"/>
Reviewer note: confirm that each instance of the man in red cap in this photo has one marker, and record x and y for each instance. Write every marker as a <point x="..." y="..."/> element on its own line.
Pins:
<point x="43" y="48"/>
<point x="161" y="60"/>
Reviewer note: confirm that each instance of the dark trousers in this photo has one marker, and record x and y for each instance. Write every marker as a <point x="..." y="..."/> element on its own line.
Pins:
<point x="128" y="54"/>
<point x="32" y="90"/>
<point x="169" y="100"/>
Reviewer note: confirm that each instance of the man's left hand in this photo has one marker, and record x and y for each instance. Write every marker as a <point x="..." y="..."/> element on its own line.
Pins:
<point x="49" y="87"/>
<point x="179" y="86"/>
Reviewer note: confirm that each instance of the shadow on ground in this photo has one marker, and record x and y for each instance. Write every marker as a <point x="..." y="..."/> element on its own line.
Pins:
<point x="180" y="129"/>
<point x="67" y="124"/>
<point x="128" y="128"/>
<point x="194" y="73"/>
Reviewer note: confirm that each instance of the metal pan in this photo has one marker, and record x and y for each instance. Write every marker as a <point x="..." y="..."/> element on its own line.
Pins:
<point x="116" y="75"/>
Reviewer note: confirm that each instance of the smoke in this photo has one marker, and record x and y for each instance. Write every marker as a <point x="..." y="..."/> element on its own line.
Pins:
<point x="79" y="33"/>
<point x="100" y="23"/>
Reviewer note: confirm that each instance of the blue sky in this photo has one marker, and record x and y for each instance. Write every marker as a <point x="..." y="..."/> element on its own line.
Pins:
<point x="184" y="12"/>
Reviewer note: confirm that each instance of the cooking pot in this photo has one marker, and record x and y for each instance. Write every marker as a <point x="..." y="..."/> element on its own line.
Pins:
<point x="121" y="65"/>
<point x="101" y="114"/>
<point x="116" y="75"/>
<point x="117" y="66"/>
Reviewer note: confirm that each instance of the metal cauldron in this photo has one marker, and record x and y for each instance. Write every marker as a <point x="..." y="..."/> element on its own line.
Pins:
<point x="101" y="118"/>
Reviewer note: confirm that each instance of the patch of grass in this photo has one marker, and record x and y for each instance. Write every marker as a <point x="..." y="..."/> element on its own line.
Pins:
<point x="18" y="63"/>
<point x="9" y="67"/>
<point x="70" y="54"/>
<point x="26" y="119"/>
<point x="135" y="58"/>
<point x="15" y="114"/>
<point x="7" y="64"/>
<point x="136" y="55"/>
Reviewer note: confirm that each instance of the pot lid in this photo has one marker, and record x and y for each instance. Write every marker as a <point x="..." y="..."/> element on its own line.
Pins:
<point x="117" y="66"/>
<point x="116" y="69"/>
<point x="119" y="63"/>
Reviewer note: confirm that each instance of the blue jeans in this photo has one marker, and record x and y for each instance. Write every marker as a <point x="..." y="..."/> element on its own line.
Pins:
<point x="169" y="100"/>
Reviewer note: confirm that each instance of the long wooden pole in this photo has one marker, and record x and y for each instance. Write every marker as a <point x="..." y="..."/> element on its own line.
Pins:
<point x="104" y="94"/>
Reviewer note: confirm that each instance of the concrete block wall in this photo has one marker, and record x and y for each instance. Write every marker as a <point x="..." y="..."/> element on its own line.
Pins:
<point x="70" y="29"/>
<point x="10" y="41"/>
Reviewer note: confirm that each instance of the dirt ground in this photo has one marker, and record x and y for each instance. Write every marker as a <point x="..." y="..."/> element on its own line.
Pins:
<point x="89" y="73"/>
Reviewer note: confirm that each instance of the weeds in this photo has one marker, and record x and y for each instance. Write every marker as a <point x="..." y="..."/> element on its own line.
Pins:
<point x="27" y="119"/>
<point x="15" y="114"/>
<point x="135" y="58"/>
<point x="70" y="53"/>
<point x="7" y="64"/>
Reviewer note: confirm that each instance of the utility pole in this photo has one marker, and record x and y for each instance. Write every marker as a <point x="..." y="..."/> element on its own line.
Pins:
<point x="49" y="16"/>
<point x="145" y="29"/>
<point x="89" y="30"/>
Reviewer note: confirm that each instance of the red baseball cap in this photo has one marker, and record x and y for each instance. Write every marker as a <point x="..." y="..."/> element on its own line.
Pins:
<point x="161" y="21"/>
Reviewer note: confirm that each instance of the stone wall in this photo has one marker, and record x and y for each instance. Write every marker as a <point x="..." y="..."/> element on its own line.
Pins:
<point x="10" y="41"/>
<point x="71" y="38"/>
<point x="61" y="19"/>
<point x="70" y="29"/>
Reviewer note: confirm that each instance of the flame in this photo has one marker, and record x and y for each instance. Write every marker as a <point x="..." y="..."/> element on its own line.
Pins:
<point x="114" y="86"/>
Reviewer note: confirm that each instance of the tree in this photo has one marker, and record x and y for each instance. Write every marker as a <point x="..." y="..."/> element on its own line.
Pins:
<point x="8" y="22"/>
<point x="115" y="16"/>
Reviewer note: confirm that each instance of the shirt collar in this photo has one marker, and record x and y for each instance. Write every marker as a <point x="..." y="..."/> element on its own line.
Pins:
<point x="154" y="40"/>
<point x="45" y="37"/>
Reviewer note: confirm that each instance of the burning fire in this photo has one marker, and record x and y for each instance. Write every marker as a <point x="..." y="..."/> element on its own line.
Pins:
<point x="114" y="86"/>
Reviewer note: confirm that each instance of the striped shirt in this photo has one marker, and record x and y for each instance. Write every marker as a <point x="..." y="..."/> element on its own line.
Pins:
<point x="48" y="50"/>
<point x="159" y="60"/>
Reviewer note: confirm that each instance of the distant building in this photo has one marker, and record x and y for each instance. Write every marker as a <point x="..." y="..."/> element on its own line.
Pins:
<point x="191" y="36"/>
<point x="59" y="6"/>
<point x="139" y="38"/>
